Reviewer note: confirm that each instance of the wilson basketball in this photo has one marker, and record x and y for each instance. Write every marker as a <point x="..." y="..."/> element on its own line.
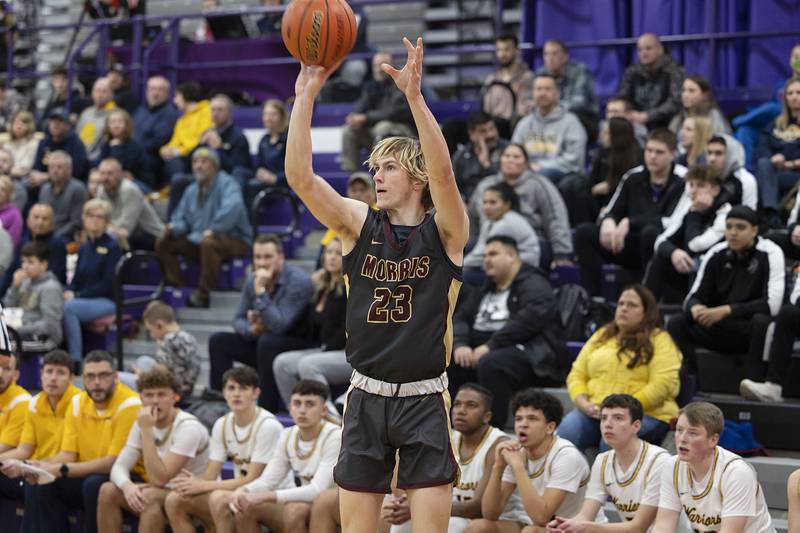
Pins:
<point x="318" y="32"/>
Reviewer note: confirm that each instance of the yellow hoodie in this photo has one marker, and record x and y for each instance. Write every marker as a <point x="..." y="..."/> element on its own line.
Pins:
<point x="598" y="372"/>
<point x="190" y="126"/>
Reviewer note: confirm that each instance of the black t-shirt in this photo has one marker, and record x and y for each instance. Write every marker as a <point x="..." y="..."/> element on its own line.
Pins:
<point x="400" y="301"/>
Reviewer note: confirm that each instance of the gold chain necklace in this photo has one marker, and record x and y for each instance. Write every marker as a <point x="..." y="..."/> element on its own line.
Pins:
<point x="297" y="451"/>
<point x="249" y="431"/>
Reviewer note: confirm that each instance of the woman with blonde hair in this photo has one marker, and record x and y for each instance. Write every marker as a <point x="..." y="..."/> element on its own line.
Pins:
<point x="695" y="134"/>
<point x="118" y="142"/>
<point x="10" y="216"/>
<point x="90" y="294"/>
<point x="271" y="150"/>
<point x="630" y="355"/>
<point x="23" y="143"/>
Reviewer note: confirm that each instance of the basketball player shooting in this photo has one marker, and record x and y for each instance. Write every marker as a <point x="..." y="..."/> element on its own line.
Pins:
<point x="402" y="268"/>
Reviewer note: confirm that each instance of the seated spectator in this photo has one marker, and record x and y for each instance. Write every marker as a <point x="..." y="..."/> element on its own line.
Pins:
<point x="539" y="459"/>
<point x="118" y="142"/>
<point x="40" y="228"/>
<point x="635" y="497"/>
<point x="507" y="92"/>
<point x="621" y="107"/>
<point x="539" y="203"/>
<point x="694" y="136"/>
<point x="737" y="292"/>
<point x="64" y="194"/>
<point x="309" y="459"/>
<point x="206" y="496"/>
<point x="552" y="136"/>
<point x="381" y="111"/>
<point x="59" y="88"/>
<point x="134" y="222"/>
<point x="228" y="140"/>
<point x="271" y="151"/>
<point x="13" y="398"/>
<point x="10" y="216"/>
<point x="94" y="183"/>
<point x="778" y="154"/>
<point x="209" y="225"/>
<point x="59" y="137"/>
<point x="325" y="363"/>
<point x="737" y="500"/>
<point x="11" y="103"/>
<point x="268" y="322"/>
<point x="23" y="143"/>
<point x="697" y="100"/>
<point x="168" y="441"/>
<point x="95" y="431"/>
<point x="121" y="88"/>
<point x="177" y="350"/>
<point x="44" y="422"/>
<point x="501" y="212"/>
<point x="619" y="152"/>
<point x="630" y="355"/>
<point x="725" y="156"/>
<point x="475" y="442"/>
<point x="195" y="118"/>
<point x="645" y="197"/>
<point x="697" y="224"/>
<point x="508" y="334"/>
<point x="38" y="292"/>
<point x="92" y="121"/>
<point x="480" y="157"/>
<point x="653" y="85"/>
<point x="20" y="191"/>
<point x="153" y="122"/>
<point x="361" y="187"/>
<point x="575" y="84"/>
<point x="90" y="292"/>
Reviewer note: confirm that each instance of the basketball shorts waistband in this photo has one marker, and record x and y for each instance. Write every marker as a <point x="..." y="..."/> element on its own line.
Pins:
<point x="412" y="388"/>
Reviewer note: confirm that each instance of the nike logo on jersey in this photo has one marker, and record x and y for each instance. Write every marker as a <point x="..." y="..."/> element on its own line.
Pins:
<point x="375" y="242"/>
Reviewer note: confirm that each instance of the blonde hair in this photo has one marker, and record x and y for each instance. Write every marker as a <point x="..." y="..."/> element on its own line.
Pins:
<point x="27" y="118"/>
<point x="281" y="108"/>
<point x="128" y="133"/>
<point x="330" y="283"/>
<point x="158" y="310"/>
<point x="98" y="204"/>
<point x="8" y="186"/>
<point x="782" y="122"/>
<point x="703" y="131"/>
<point x="408" y="153"/>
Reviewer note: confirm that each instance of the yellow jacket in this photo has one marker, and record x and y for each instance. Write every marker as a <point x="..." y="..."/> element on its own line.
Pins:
<point x="598" y="372"/>
<point x="190" y="126"/>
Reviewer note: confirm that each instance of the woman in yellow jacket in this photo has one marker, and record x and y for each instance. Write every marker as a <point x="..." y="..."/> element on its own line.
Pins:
<point x="630" y="355"/>
<point x="195" y="119"/>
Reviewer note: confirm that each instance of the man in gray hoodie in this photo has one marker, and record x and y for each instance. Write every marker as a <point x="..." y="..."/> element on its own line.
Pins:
<point x="553" y="137"/>
<point x="725" y="156"/>
<point x="37" y="291"/>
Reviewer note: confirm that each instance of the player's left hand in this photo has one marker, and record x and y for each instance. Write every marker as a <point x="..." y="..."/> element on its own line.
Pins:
<point x="409" y="78"/>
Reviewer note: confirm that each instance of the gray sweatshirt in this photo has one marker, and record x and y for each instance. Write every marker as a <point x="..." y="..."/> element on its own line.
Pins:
<point x="131" y="211"/>
<point x="513" y="225"/>
<point x="557" y="141"/>
<point x="42" y="301"/>
<point x="540" y="204"/>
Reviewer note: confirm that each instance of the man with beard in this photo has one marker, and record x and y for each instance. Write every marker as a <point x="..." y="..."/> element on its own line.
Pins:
<point x="44" y="422"/>
<point x="13" y="406"/>
<point x="480" y="157"/>
<point x="95" y="431"/>
<point x="511" y="82"/>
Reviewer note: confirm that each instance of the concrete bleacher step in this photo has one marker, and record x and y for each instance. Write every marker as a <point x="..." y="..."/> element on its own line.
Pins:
<point x="772" y="474"/>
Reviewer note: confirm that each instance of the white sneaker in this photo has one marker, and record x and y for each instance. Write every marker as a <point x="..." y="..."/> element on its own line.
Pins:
<point x="762" y="392"/>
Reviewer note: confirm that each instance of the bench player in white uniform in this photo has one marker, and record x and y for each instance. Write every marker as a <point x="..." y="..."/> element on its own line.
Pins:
<point x="716" y="489"/>
<point x="535" y="477"/>
<point x="629" y="474"/>
<point x="308" y="451"/>
<point x="474" y="444"/>
<point x="247" y="436"/>
<point x="164" y="438"/>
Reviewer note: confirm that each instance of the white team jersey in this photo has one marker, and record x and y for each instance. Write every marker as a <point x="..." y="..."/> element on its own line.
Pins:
<point x="639" y="485"/>
<point x="730" y="489"/>
<point x="563" y="467"/>
<point x="243" y="445"/>
<point x="472" y="469"/>
<point x="304" y="457"/>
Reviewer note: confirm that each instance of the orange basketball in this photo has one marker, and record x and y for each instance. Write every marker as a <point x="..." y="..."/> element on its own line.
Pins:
<point x="318" y="32"/>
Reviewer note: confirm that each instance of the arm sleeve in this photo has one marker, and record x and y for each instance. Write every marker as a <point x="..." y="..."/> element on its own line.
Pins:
<point x="595" y="490"/>
<point x="702" y="287"/>
<point x="276" y="470"/>
<point x="617" y="207"/>
<point x="69" y="441"/>
<point x="669" y="107"/>
<point x="702" y="238"/>
<point x="240" y="323"/>
<point x="739" y="490"/>
<point x="578" y="377"/>
<point x="556" y="221"/>
<point x="668" y="493"/>
<point x="323" y="477"/>
<point x="278" y="314"/>
<point x="12" y="429"/>
<point x="229" y="209"/>
<point x="537" y="304"/>
<point x="51" y="309"/>
<point x="267" y="438"/>
<point x="160" y="133"/>
<point x="626" y="84"/>
<point x="12" y="296"/>
<point x="775" y="285"/>
<point x="121" y="470"/>
<point x="663" y="381"/>
<point x="568" y="469"/>
<point x="132" y="205"/>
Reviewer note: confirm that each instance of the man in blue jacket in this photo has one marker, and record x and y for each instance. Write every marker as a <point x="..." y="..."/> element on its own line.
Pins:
<point x="154" y="121"/>
<point x="209" y="225"/>
<point x="59" y="136"/>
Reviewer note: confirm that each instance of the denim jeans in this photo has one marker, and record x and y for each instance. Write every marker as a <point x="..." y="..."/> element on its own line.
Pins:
<point x="78" y="311"/>
<point x="584" y="431"/>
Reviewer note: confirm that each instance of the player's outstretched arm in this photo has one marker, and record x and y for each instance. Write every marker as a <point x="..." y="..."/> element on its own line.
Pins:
<point x="343" y="215"/>
<point x="451" y="217"/>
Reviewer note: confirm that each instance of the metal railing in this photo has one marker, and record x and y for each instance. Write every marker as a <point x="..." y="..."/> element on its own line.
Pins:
<point x="270" y="195"/>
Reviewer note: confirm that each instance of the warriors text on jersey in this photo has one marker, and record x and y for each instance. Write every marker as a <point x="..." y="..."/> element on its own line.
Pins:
<point x="472" y="469"/>
<point x="400" y="302"/>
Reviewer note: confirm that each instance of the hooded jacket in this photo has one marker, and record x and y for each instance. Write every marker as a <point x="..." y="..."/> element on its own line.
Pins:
<point x="557" y="141"/>
<point x="738" y="181"/>
<point x="534" y="323"/>
<point x="42" y="301"/>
